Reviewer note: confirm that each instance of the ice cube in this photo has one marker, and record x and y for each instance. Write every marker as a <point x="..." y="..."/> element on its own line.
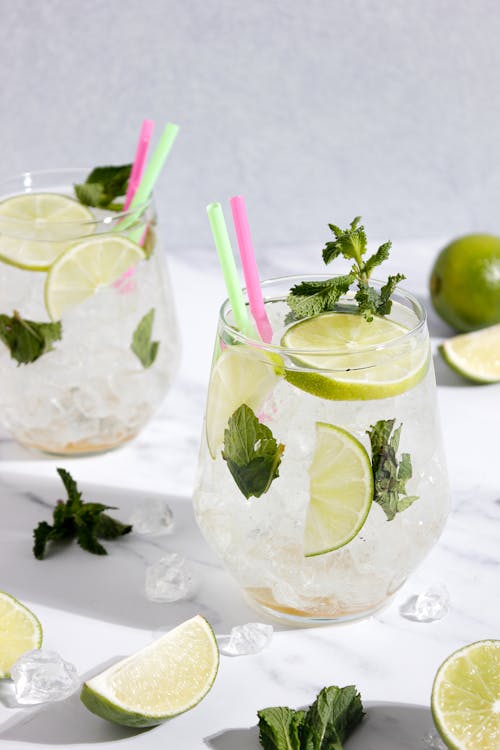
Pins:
<point x="428" y="606"/>
<point x="41" y="676"/>
<point x="246" y="639"/>
<point x="169" y="579"/>
<point x="152" y="516"/>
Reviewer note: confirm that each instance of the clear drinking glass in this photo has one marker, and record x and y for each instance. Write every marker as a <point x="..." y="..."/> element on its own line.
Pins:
<point x="321" y="543"/>
<point x="97" y="384"/>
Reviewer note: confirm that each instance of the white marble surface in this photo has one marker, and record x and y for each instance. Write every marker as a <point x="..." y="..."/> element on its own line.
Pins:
<point x="94" y="610"/>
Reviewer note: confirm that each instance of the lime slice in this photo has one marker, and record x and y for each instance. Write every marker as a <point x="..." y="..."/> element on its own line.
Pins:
<point x="374" y="373"/>
<point x="466" y="697"/>
<point x="166" y="678"/>
<point x="241" y="375"/>
<point x="476" y="355"/>
<point x="85" y="267"/>
<point x="20" y="631"/>
<point x="37" y="227"/>
<point x="341" y="490"/>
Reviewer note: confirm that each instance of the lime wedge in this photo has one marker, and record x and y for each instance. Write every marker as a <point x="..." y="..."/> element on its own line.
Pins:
<point x="465" y="699"/>
<point x="85" y="267"/>
<point x="37" y="227"/>
<point x="241" y="375"/>
<point x="20" y="631"/>
<point x="341" y="490"/>
<point x="476" y="355"/>
<point x="166" y="678"/>
<point x="375" y="373"/>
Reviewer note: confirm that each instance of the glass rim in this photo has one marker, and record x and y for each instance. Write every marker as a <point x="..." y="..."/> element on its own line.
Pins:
<point x="22" y="177"/>
<point x="257" y="343"/>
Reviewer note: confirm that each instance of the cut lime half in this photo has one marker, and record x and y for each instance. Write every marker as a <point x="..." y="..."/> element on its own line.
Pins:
<point x="475" y="356"/>
<point x="87" y="266"/>
<point x="341" y="490"/>
<point x="166" y="678"/>
<point x="466" y="697"/>
<point x="36" y="228"/>
<point x="241" y="375"/>
<point x="355" y="355"/>
<point x="20" y="631"/>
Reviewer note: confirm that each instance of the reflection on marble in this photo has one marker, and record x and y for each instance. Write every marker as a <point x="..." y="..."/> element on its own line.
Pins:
<point x="94" y="610"/>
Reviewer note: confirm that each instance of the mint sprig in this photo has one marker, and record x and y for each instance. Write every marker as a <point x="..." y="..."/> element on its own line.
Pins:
<point x="326" y="724"/>
<point x="76" y="519"/>
<point x="142" y="346"/>
<point x="311" y="298"/>
<point x="251" y="452"/>
<point x="103" y="186"/>
<point x="390" y="473"/>
<point x="28" y="340"/>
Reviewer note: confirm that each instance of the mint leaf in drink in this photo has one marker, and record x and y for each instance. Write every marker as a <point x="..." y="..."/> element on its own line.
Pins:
<point x="75" y="519"/>
<point x="28" y="340"/>
<point x="279" y="728"/>
<point x="103" y="185"/>
<point x="142" y="346"/>
<point x="331" y="718"/>
<point x="313" y="298"/>
<point x="390" y="474"/>
<point x="251" y="452"/>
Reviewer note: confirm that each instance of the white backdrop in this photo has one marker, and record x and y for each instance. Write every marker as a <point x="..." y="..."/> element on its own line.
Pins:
<point x="315" y="111"/>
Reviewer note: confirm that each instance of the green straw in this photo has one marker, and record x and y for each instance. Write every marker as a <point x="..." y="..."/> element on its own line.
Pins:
<point x="226" y="259"/>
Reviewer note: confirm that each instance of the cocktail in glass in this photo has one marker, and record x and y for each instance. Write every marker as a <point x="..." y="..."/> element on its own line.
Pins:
<point x="89" y="336"/>
<point x="322" y="481"/>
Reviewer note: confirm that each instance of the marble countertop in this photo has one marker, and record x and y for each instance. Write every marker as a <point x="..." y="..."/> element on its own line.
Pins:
<point x="94" y="609"/>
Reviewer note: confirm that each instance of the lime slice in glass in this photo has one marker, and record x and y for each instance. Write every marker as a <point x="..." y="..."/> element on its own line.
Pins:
<point x="466" y="697"/>
<point x="164" y="679"/>
<point x="37" y="227"/>
<point x="341" y="490"/>
<point x="86" y="266"/>
<point x="20" y="631"/>
<point x="355" y="348"/>
<point x="240" y="375"/>
<point x="476" y="355"/>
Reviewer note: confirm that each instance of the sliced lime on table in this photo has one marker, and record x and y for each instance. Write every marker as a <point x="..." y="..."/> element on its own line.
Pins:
<point x="241" y="375"/>
<point x="381" y="373"/>
<point x="37" y="227"/>
<point x="166" y="678"/>
<point x="466" y="697"/>
<point x="86" y="266"/>
<point x="475" y="356"/>
<point x="341" y="490"/>
<point x="20" y="631"/>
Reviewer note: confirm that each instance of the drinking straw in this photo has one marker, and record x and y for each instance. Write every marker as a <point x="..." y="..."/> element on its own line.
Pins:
<point x="250" y="269"/>
<point x="226" y="259"/>
<point x="139" y="161"/>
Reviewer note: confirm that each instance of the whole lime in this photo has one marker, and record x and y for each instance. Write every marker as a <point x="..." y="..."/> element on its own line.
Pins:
<point x="465" y="282"/>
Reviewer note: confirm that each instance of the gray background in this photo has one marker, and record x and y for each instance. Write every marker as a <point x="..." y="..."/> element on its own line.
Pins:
<point x="315" y="111"/>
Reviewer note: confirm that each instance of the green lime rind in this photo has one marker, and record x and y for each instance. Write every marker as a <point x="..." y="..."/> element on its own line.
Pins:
<point x="467" y="374"/>
<point x="37" y="641"/>
<point x="369" y="493"/>
<point x="337" y="390"/>
<point x="468" y="699"/>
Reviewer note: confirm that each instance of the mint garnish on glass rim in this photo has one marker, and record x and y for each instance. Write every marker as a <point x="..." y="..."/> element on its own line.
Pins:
<point x="103" y="185"/>
<point x="314" y="297"/>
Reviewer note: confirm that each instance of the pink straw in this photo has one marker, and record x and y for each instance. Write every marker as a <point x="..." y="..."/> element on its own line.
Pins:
<point x="250" y="270"/>
<point x="139" y="161"/>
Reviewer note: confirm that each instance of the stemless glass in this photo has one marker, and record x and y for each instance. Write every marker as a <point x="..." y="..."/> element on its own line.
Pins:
<point x="322" y="404"/>
<point x="97" y="384"/>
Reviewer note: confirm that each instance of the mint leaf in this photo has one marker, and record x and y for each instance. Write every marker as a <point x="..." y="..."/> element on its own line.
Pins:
<point x="314" y="297"/>
<point x="103" y="185"/>
<point x="142" y="346"/>
<point x="390" y="474"/>
<point x="279" y="728"/>
<point x="76" y="519"/>
<point x="351" y="243"/>
<point x="28" y="340"/>
<point x="251" y="452"/>
<point x="331" y="718"/>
